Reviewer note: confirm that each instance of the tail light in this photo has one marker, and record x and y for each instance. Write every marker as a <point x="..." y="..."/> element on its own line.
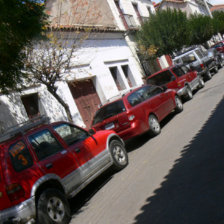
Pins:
<point x="131" y="118"/>
<point x="15" y="192"/>
<point x="202" y="66"/>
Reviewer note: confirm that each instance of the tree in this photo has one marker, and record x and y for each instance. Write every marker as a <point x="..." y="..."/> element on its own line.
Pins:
<point x="20" y="22"/>
<point x="165" y="32"/>
<point x="219" y="21"/>
<point x="201" y="29"/>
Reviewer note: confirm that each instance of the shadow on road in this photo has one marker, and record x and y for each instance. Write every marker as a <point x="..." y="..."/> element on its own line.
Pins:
<point x="78" y="202"/>
<point x="193" y="191"/>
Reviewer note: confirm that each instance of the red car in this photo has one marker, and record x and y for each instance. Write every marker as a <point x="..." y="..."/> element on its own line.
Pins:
<point x="219" y="46"/>
<point x="178" y="77"/>
<point x="138" y="111"/>
<point x="42" y="165"/>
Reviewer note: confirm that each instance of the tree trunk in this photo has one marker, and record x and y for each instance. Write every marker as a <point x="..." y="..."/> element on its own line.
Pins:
<point x="61" y="101"/>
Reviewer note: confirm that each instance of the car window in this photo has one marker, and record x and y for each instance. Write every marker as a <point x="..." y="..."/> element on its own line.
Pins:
<point x="178" y="61"/>
<point x="179" y="71"/>
<point x="109" y="110"/>
<point x="199" y="53"/>
<point x="189" y="58"/>
<point x="70" y="134"/>
<point x="44" y="144"/>
<point x="161" y="78"/>
<point x="142" y="94"/>
<point x="20" y="156"/>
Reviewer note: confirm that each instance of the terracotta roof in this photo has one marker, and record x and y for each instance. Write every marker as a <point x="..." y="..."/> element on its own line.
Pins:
<point x="85" y="28"/>
<point x="217" y="8"/>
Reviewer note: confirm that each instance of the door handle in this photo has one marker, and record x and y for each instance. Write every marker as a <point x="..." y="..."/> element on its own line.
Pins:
<point x="77" y="150"/>
<point x="49" y="165"/>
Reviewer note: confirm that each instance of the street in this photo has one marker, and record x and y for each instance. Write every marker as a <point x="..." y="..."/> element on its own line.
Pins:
<point x="174" y="178"/>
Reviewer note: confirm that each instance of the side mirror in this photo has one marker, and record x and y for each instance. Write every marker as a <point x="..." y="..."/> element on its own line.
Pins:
<point x="92" y="131"/>
<point x="173" y="78"/>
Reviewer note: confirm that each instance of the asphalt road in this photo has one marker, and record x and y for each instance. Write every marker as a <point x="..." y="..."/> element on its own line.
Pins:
<point x="174" y="178"/>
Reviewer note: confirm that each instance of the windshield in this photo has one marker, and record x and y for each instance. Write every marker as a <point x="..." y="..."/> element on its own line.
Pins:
<point x="109" y="111"/>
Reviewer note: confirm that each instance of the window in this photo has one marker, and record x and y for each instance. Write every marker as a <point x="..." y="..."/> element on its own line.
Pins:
<point x="117" y="78"/>
<point x="178" y="71"/>
<point x="70" y="134"/>
<point x="30" y="103"/>
<point x="109" y="110"/>
<point x="161" y="78"/>
<point x="199" y="53"/>
<point x="143" y="94"/>
<point x="20" y="156"/>
<point x="126" y="71"/>
<point x="135" y="6"/>
<point x="189" y="58"/>
<point x="44" y="144"/>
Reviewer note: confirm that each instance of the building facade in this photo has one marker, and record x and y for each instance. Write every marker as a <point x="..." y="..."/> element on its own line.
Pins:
<point x="103" y="66"/>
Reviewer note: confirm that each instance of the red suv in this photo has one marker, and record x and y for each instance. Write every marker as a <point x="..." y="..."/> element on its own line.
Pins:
<point x="178" y="77"/>
<point x="42" y="165"/>
<point x="138" y="111"/>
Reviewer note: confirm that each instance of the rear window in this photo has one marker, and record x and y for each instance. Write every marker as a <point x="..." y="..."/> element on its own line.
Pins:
<point x="20" y="156"/>
<point x="109" y="110"/>
<point x="143" y="94"/>
<point x="161" y="78"/>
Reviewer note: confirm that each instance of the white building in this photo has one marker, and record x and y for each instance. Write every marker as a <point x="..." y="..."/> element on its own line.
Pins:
<point x="188" y="6"/>
<point x="104" y="65"/>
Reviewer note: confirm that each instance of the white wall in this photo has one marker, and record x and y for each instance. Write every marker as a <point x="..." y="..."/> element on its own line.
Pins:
<point x="91" y="60"/>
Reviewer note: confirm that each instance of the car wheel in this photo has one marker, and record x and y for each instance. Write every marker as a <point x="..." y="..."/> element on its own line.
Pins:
<point x="201" y="83"/>
<point x="179" y="105"/>
<point x="216" y="69"/>
<point x="208" y="75"/>
<point x="119" y="155"/>
<point x="53" y="207"/>
<point x="154" y="125"/>
<point x="189" y="94"/>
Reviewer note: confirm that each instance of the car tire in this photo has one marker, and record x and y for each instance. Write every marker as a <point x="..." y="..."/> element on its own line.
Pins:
<point x="216" y="69"/>
<point x="118" y="154"/>
<point x="208" y="75"/>
<point x="189" y="94"/>
<point x="201" y="83"/>
<point x="53" y="208"/>
<point x="179" y="105"/>
<point x="154" y="126"/>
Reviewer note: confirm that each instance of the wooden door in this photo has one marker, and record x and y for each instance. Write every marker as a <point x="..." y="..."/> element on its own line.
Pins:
<point x="86" y="99"/>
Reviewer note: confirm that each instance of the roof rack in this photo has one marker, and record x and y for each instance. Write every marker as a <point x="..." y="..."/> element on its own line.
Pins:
<point x="23" y="127"/>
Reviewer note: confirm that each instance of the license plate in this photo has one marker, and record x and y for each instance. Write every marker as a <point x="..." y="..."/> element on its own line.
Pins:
<point x="109" y="126"/>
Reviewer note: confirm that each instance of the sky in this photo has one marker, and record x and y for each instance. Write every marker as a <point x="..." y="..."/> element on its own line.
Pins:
<point x="213" y="2"/>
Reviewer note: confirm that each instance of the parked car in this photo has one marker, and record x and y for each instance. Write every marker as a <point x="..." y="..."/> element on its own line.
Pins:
<point x="138" y="111"/>
<point x="42" y="165"/>
<point x="219" y="46"/>
<point x="217" y="56"/>
<point x="178" y="77"/>
<point x="197" y="59"/>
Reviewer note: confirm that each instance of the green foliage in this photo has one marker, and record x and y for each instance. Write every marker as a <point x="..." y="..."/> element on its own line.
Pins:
<point x="201" y="29"/>
<point x="166" y="31"/>
<point x="169" y="30"/>
<point x="219" y="21"/>
<point x="20" y="21"/>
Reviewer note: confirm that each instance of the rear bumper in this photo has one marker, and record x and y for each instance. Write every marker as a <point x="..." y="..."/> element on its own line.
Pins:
<point x="134" y="130"/>
<point x="20" y="213"/>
